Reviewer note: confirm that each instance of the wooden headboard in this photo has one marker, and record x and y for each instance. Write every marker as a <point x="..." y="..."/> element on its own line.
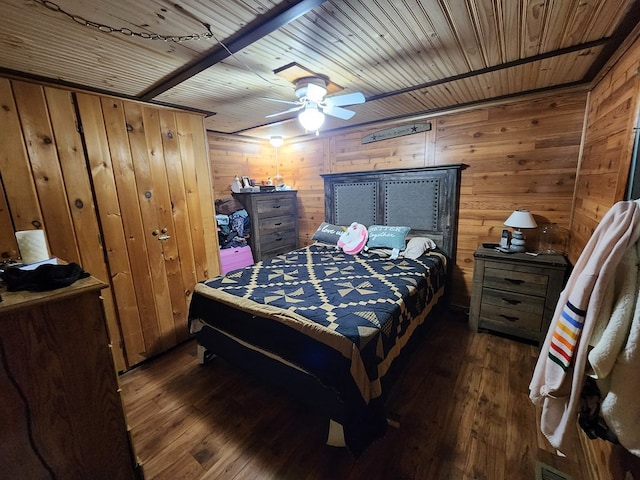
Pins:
<point x="425" y="199"/>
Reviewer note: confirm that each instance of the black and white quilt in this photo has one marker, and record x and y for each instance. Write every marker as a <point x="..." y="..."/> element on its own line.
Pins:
<point x="342" y="318"/>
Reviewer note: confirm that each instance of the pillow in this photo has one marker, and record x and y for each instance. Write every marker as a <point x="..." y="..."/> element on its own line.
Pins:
<point x="354" y="239"/>
<point x="387" y="237"/>
<point x="417" y="246"/>
<point x="328" y="233"/>
<point x="383" y="252"/>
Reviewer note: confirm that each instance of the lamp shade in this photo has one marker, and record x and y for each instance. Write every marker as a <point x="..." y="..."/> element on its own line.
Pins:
<point x="521" y="219"/>
<point x="311" y="118"/>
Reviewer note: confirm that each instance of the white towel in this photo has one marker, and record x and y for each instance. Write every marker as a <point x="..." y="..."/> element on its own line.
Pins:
<point x="621" y="405"/>
<point x="612" y="325"/>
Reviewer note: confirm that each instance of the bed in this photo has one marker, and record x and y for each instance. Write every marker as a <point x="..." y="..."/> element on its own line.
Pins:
<point x="333" y="329"/>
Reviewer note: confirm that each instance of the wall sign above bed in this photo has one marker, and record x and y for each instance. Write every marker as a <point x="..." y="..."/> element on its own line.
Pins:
<point x="394" y="132"/>
<point x="425" y="199"/>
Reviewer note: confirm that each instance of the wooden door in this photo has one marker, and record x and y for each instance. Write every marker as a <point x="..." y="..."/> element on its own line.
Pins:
<point x="156" y="212"/>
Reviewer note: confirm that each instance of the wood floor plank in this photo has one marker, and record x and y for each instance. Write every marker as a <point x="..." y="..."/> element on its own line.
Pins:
<point x="461" y="402"/>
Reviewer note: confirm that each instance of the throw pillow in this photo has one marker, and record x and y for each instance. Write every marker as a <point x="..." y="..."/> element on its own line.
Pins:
<point x="381" y="236"/>
<point x="417" y="246"/>
<point x="328" y="233"/>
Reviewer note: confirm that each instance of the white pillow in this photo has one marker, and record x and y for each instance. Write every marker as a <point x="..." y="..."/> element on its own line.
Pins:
<point x="417" y="246"/>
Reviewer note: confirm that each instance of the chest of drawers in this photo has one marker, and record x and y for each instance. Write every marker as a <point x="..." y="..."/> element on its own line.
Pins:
<point x="274" y="222"/>
<point x="515" y="293"/>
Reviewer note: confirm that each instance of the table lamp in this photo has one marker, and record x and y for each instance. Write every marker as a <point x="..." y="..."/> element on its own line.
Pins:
<point x="519" y="219"/>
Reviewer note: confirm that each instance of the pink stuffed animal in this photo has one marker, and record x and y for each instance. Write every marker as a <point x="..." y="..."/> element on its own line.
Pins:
<point x="353" y="239"/>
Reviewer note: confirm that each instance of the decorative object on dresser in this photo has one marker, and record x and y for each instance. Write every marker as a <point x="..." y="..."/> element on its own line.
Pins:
<point x="62" y="415"/>
<point x="515" y="293"/>
<point x="519" y="219"/>
<point x="274" y="222"/>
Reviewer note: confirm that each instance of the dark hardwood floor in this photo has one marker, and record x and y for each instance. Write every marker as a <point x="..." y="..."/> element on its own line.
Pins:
<point x="462" y="404"/>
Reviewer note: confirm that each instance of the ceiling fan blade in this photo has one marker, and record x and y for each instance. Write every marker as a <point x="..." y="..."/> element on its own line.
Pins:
<point x="346" y="99"/>
<point x="281" y="101"/>
<point x="292" y="109"/>
<point x="339" y="112"/>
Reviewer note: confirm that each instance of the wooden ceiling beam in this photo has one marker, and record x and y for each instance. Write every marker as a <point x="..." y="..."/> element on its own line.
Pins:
<point x="626" y="27"/>
<point x="262" y="26"/>
<point x="494" y="68"/>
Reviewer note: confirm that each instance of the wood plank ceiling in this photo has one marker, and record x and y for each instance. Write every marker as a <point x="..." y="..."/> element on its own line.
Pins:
<point x="408" y="58"/>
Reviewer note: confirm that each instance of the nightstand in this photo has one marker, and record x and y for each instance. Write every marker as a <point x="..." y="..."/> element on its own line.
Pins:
<point x="515" y="293"/>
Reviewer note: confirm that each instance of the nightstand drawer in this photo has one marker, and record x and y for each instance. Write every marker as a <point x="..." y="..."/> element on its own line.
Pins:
<point x="510" y="317"/>
<point x="514" y="301"/>
<point x="515" y="281"/>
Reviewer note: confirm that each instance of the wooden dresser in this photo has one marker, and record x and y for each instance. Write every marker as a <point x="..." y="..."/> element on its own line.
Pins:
<point x="61" y="412"/>
<point x="515" y="293"/>
<point x="274" y="222"/>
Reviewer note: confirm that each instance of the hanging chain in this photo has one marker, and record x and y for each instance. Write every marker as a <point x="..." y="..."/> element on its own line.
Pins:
<point x="146" y="35"/>
<point x="124" y="30"/>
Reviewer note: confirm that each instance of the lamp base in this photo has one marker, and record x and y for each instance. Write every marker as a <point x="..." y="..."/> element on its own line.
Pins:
<point x="517" y="242"/>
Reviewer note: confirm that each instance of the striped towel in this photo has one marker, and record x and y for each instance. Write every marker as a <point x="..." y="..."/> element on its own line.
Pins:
<point x="566" y="335"/>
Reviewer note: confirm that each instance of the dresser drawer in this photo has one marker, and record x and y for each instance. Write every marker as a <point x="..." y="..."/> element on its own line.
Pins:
<point x="270" y="225"/>
<point x="514" y="280"/>
<point x="273" y="206"/>
<point x="274" y="243"/>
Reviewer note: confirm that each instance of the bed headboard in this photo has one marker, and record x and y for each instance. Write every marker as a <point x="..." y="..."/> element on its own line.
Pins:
<point x="425" y="199"/>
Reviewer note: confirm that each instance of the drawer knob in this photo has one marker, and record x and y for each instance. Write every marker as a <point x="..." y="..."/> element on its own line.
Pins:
<point x="511" y="301"/>
<point x="515" y="281"/>
<point x="509" y="318"/>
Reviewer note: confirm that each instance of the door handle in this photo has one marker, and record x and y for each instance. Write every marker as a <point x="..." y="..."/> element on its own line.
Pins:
<point x="164" y="237"/>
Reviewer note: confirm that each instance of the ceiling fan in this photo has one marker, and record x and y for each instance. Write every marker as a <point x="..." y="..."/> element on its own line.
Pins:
<point x="314" y="106"/>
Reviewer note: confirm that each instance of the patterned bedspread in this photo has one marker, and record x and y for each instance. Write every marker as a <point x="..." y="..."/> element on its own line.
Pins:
<point x="342" y="318"/>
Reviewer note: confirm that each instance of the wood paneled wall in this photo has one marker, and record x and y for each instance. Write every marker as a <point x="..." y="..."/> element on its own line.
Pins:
<point x="232" y="155"/>
<point x="612" y="115"/>
<point x="521" y="154"/>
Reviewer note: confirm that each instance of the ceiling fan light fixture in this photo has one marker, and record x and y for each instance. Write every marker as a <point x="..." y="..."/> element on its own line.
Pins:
<point x="312" y="88"/>
<point x="276" y="141"/>
<point x="311" y="118"/>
